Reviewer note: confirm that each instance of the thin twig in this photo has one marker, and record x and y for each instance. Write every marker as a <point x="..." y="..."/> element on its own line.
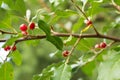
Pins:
<point x="9" y="53"/>
<point x="74" y="46"/>
<point x="115" y="5"/>
<point x="82" y="63"/>
<point x="96" y="54"/>
<point x="77" y="7"/>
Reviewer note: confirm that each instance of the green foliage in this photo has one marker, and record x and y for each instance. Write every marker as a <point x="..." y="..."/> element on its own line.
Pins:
<point x="16" y="57"/>
<point x="3" y="14"/>
<point x="17" y="6"/>
<point x="62" y="72"/>
<point x="56" y="41"/>
<point x="10" y="41"/>
<point x="117" y="1"/>
<point x="47" y="73"/>
<point x="110" y="68"/>
<point x="44" y="26"/>
<point x="6" y="71"/>
<point x="55" y="72"/>
<point x="53" y="39"/>
<point x="65" y="13"/>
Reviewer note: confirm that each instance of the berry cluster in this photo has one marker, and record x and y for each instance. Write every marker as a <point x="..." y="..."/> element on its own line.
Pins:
<point x="65" y="53"/>
<point x="8" y="48"/>
<point x="101" y="45"/>
<point x="23" y="28"/>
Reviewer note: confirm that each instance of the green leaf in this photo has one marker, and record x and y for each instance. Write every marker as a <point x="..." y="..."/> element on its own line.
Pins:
<point x="110" y="68"/>
<point x="56" y="41"/>
<point x="47" y="73"/>
<point x="3" y="14"/>
<point x="10" y="41"/>
<point x="95" y="8"/>
<point x="6" y="71"/>
<point x="17" y="6"/>
<point x="62" y="73"/>
<point x="78" y="24"/>
<point x="89" y="68"/>
<point x="65" y="13"/>
<point x="86" y="44"/>
<point x="116" y="48"/>
<point x="44" y="26"/>
<point x="54" y="19"/>
<point x="16" y="57"/>
<point x="0" y="2"/>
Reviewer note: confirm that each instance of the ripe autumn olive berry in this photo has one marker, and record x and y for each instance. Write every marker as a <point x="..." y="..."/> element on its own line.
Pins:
<point x="23" y="27"/>
<point x="88" y="22"/>
<point x="65" y="53"/>
<point x="32" y="25"/>
<point x="7" y="48"/>
<point x="14" y="48"/>
<point x="103" y="45"/>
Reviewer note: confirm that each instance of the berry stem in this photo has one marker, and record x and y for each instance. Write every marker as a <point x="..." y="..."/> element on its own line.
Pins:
<point x="77" y="7"/>
<point x="74" y="46"/>
<point x="9" y="53"/>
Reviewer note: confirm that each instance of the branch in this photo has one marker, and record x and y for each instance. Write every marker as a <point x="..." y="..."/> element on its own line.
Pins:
<point x="82" y="63"/>
<point x="96" y="55"/>
<point x="67" y="35"/>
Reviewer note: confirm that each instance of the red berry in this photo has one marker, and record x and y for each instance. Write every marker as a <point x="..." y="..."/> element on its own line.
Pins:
<point x="103" y="45"/>
<point x="24" y="33"/>
<point x="23" y="27"/>
<point x="32" y="25"/>
<point x="97" y="46"/>
<point x="88" y="22"/>
<point x="65" y="53"/>
<point x="7" y="48"/>
<point x="14" y="48"/>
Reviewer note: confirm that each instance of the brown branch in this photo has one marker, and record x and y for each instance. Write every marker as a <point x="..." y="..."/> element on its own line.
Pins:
<point x="67" y="35"/>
